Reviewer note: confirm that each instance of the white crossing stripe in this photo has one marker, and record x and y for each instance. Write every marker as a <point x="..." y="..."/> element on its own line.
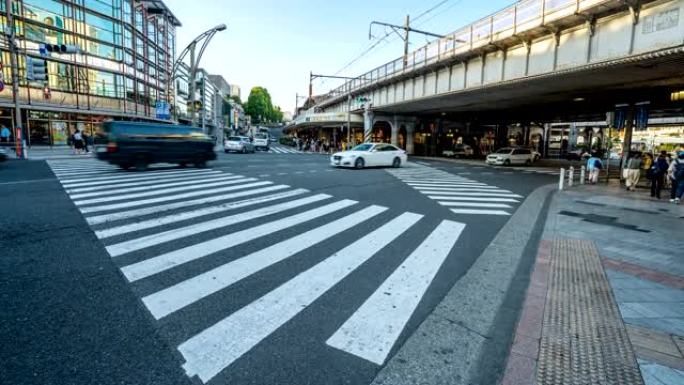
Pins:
<point x="471" y="199"/>
<point x="96" y="220"/>
<point x="479" y="185"/>
<point x="478" y="194"/>
<point x="209" y="178"/>
<point x="163" y="191"/>
<point x="116" y="206"/>
<point x="178" y="217"/>
<point x="176" y="297"/>
<point x="138" y="178"/>
<point x="139" y="183"/>
<point x="178" y="257"/>
<point x="476" y="204"/>
<point x="479" y="212"/>
<point x="140" y="175"/>
<point x="125" y="247"/>
<point x="372" y="331"/>
<point x="460" y="189"/>
<point x="215" y="348"/>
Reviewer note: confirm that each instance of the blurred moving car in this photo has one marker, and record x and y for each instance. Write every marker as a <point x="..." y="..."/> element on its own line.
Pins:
<point x="508" y="156"/>
<point x="241" y="144"/>
<point x="261" y="142"/>
<point x="3" y="154"/>
<point x="577" y="155"/>
<point x="370" y="155"/>
<point x="460" y="151"/>
<point x="137" y="144"/>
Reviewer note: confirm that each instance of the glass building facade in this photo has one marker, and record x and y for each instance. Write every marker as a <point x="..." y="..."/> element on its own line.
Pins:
<point x="127" y="49"/>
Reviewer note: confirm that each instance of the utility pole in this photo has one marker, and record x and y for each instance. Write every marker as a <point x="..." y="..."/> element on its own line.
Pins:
<point x="349" y="99"/>
<point x="191" y="85"/>
<point x="19" y="136"/>
<point x="407" y="29"/>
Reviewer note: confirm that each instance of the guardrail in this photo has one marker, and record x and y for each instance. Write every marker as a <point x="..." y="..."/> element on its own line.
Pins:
<point x="522" y="16"/>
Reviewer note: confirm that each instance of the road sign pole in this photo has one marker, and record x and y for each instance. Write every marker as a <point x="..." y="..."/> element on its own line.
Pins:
<point x="18" y="136"/>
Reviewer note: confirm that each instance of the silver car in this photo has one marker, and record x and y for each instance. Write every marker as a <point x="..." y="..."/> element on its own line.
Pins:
<point x="241" y="144"/>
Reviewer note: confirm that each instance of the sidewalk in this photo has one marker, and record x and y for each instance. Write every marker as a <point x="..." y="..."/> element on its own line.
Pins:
<point x="45" y="153"/>
<point x="605" y="303"/>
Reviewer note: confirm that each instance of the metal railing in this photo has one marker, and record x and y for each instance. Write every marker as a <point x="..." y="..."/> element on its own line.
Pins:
<point x="520" y="17"/>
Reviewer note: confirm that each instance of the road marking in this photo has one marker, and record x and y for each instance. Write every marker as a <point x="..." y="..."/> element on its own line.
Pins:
<point x="480" y="212"/>
<point x="116" y="206"/>
<point x="100" y="219"/>
<point x="104" y="186"/>
<point x="178" y="257"/>
<point x="132" y="178"/>
<point x="456" y="185"/>
<point x="478" y="194"/>
<point x="473" y="204"/>
<point x="131" y="245"/>
<point x="178" y="296"/>
<point x="231" y="181"/>
<point x="453" y="198"/>
<point x="135" y="176"/>
<point x="209" y="178"/>
<point x="372" y="331"/>
<point x="178" y="217"/>
<point x="464" y="189"/>
<point x="215" y="348"/>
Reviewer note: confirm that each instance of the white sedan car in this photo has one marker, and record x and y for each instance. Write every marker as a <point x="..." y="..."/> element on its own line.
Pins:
<point x="370" y="155"/>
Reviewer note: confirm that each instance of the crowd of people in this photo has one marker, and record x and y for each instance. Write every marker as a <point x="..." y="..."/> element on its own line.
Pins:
<point x="663" y="172"/>
<point x="320" y="145"/>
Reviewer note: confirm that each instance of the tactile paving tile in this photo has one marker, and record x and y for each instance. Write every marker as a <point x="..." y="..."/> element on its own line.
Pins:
<point x="584" y="340"/>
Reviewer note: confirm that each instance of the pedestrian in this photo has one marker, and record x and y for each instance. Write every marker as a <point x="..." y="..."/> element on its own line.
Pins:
<point x="4" y="134"/>
<point x="77" y="138"/>
<point x="676" y="175"/>
<point x="657" y="175"/>
<point x="85" y="138"/>
<point x="594" y="166"/>
<point x="632" y="172"/>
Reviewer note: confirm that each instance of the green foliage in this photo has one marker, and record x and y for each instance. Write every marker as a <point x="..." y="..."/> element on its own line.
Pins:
<point x="286" y="140"/>
<point x="260" y="107"/>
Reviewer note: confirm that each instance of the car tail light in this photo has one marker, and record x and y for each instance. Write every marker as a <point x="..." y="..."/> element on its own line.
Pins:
<point x="112" y="147"/>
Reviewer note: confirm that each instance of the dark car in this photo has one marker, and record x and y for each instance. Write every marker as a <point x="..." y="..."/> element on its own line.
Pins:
<point x="3" y="154"/>
<point x="136" y="144"/>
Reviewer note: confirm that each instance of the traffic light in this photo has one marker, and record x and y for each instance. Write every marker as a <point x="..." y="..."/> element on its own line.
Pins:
<point x="36" y="69"/>
<point x="61" y="48"/>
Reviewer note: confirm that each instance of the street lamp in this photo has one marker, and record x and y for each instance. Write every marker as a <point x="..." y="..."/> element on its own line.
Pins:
<point x="205" y="38"/>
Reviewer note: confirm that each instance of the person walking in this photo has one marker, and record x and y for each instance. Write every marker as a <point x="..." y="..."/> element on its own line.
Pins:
<point x="594" y="167"/>
<point x="675" y="174"/>
<point x="657" y="173"/>
<point x="4" y="134"/>
<point x="78" y="142"/>
<point x="632" y="172"/>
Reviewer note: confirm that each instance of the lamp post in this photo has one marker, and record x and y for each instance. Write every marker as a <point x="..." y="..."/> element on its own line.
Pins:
<point x="205" y="38"/>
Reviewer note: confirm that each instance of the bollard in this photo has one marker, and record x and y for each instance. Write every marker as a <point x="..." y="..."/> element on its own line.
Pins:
<point x="561" y="181"/>
<point x="571" y="176"/>
<point x="583" y="174"/>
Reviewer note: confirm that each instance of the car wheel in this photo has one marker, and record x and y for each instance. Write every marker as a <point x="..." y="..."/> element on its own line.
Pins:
<point x="359" y="164"/>
<point x="396" y="163"/>
<point x="244" y="150"/>
<point x="125" y="166"/>
<point x="528" y="162"/>
<point x="182" y="165"/>
<point x="200" y="162"/>
<point x="141" y="163"/>
<point x="507" y="162"/>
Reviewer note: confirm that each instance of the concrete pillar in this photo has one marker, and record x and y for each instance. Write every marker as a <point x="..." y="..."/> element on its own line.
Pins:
<point x="410" y="128"/>
<point x="367" y="124"/>
<point x="395" y="131"/>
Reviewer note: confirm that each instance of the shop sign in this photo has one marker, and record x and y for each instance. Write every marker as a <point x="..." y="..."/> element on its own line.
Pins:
<point x="163" y="110"/>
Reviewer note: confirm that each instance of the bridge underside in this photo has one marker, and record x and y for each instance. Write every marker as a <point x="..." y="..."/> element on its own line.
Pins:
<point x="582" y="92"/>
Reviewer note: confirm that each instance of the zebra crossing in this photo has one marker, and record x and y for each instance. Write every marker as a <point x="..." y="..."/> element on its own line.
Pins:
<point x="170" y="219"/>
<point x="289" y="150"/>
<point x="462" y="195"/>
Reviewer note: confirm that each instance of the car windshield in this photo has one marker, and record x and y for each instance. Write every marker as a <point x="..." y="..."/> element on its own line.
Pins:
<point x="233" y="138"/>
<point x="504" y="151"/>
<point x="261" y="136"/>
<point x="363" y="147"/>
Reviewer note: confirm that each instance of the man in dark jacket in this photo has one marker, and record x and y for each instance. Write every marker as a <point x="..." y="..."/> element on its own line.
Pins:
<point x="658" y="171"/>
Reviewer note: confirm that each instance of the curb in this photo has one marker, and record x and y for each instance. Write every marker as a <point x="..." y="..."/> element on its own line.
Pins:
<point x="452" y="345"/>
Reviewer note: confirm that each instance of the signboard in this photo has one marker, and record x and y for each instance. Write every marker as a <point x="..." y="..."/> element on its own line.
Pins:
<point x="163" y="110"/>
<point x="641" y="116"/>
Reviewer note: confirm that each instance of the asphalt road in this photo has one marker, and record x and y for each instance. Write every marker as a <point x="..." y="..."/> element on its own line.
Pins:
<point x="267" y="268"/>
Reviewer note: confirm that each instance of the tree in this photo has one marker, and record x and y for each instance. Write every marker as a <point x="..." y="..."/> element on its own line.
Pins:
<point x="260" y="107"/>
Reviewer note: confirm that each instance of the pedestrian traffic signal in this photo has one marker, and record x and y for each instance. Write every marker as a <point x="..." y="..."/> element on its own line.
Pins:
<point x="61" y="48"/>
<point x="36" y="69"/>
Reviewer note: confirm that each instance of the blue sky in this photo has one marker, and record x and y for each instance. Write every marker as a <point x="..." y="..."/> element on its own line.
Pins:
<point x="275" y="43"/>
